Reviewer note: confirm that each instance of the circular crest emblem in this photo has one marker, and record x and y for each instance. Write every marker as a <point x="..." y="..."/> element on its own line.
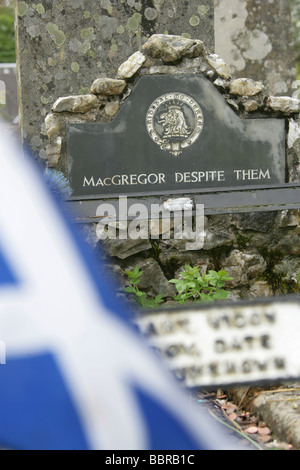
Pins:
<point x="174" y="122"/>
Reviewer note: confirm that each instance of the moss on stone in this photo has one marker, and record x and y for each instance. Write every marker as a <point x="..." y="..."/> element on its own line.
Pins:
<point x="87" y="33"/>
<point x="134" y="22"/>
<point x="22" y="8"/>
<point x="194" y="20"/>
<point x="40" y="9"/>
<point x="277" y="281"/>
<point x="75" y="67"/>
<point x="243" y="241"/>
<point x="170" y="267"/>
<point x="57" y="35"/>
<point x="203" y="10"/>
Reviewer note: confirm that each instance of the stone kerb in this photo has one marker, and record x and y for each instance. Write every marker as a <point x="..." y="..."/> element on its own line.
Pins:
<point x="261" y="251"/>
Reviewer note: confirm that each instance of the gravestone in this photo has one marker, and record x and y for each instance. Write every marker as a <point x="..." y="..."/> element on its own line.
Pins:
<point x="62" y="45"/>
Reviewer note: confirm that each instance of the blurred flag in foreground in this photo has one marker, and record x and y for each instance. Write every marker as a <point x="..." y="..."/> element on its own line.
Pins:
<point x="77" y="376"/>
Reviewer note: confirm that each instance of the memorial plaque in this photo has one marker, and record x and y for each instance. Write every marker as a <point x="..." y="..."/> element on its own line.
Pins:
<point x="228" y="344"/>
<point x="174" y="134"/>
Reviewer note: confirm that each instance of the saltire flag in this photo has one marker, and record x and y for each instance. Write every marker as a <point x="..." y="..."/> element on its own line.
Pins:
<point x="74" y="373"/>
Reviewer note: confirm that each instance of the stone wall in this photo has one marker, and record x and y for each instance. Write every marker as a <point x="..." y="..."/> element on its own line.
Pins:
<point x="261" y="251"/>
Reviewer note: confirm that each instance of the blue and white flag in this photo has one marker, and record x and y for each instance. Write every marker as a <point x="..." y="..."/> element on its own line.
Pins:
<point x="75" y="374"/>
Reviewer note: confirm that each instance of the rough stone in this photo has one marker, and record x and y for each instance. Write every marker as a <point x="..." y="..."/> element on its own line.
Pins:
<point x="54" y="125"/>
<point x="153" y="279"/>
<point x="129" y="68"/>
<point x="162" y="69"/>
<point x="54" y="152"/>
<point x="288" y="269"/>
<point x="250" y="105"/>
<point x="216" y="237"/>
<point x="159" y="227"/>
<point x="235" y="295"/>
<point x="76" y="104"/>
<point x="123" y="249"/>
<point x="290" y="242"/>
<point x="233" y="104"/>
<point x="293" y="151"/>
<point x="288" y="218"/>
<point x="245" y="87"/>
<point x="242" y="266"/>
<point x="255" y="221"/>
<point x="280" y="415"/>
<point x="218" y="232"/>
<point x="294" y="133"/>
<point x="220" y="83"/>
<point x="284" y="104"/>
<point x="108" y="87"/>
<point x="111" y="108"/>
<point x="260" y="289"/>
<point x="219" y="66"/>
<point x="174" y="260"/>
<point x="172" y="48"/>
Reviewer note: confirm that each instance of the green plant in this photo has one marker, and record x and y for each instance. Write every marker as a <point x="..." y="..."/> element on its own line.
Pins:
<point x="190" y="287"/>
<point x="206" y="288"/>
<point x="141" y="298"/>
<point x="7" y="38"/>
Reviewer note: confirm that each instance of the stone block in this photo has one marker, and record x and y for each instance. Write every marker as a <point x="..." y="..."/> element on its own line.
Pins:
<point x="76" y="104"/>
<point x="172" y="48"/>
<point x="108" y="86"/>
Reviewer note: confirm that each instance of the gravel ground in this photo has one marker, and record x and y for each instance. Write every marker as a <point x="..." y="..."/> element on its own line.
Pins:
<point x="254" y="418"/>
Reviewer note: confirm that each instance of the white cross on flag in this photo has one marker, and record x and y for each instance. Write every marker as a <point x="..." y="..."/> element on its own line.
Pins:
<point x="77" y="375"/>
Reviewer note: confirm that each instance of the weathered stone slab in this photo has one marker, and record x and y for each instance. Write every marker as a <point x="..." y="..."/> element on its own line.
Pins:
<point x="63" y="46"/>
<point x="255" y="39"/>
<point x="174" y="134"/>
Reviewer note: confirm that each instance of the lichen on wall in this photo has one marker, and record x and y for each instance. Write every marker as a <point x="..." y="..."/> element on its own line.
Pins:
<point x="255" y="38"/>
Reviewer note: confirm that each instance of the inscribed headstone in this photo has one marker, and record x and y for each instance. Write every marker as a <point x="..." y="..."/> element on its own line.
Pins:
<point x="174" y="134"/>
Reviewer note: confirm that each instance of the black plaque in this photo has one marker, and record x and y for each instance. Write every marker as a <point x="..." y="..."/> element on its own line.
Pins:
<point x="174" y="134"/>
